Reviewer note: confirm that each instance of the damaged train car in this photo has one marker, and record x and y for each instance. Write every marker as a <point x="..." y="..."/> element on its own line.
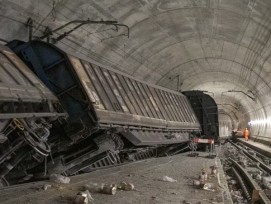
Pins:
<point x="61" y="114"/>
<point x="27" y="111"/>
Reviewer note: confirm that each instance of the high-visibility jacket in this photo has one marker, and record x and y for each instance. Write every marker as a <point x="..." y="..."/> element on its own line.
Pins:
<point x="246" y="133"/>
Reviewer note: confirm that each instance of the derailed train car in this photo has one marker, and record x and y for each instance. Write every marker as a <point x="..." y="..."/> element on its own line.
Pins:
<point x="206" y="111"/>
<point x="27" y="110"/>
<point x="112" y="116"/>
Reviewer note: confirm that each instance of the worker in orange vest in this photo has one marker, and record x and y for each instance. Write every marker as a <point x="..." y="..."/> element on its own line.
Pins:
<point x="246" y="133"/>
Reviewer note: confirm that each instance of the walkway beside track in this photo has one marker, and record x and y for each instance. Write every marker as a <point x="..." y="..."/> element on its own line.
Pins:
<point x="262" y="148"/>
<point x="147" y="177"/>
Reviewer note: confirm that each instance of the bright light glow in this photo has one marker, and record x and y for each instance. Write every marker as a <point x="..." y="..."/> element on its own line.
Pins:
<point x="260" y="122"/>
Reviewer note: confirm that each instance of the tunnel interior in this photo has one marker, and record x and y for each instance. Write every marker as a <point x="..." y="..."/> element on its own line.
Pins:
<point x="149" y="99"/>
<point x="221" y="47"/>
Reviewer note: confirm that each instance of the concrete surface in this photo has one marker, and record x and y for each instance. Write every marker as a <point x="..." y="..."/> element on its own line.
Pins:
<point x="146" y="176"/>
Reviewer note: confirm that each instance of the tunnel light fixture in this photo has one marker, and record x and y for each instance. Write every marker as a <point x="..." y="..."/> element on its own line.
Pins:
<point x="260" y="122"/>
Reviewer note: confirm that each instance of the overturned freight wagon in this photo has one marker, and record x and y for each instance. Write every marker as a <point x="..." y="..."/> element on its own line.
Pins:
<point x="112" y="116"/>
<point x="27" y="110"/>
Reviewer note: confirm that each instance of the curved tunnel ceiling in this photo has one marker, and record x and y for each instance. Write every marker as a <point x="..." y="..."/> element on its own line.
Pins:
<point x="219" y="46"/>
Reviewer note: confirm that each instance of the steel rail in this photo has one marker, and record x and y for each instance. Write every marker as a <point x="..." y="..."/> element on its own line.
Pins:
<point x="252" y="185"/>
<point x="262" y="165"/>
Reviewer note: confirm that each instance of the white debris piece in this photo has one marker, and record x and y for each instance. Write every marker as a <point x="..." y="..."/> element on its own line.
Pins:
<point x="83" y="197"/>
<point x="168" y="179"/>
<point x="196" y="182"/>
<point x="90" y="198"/>
<point x="209" y="187"/>
<point x="59" y="178"/>
<point x="46" y="186"/>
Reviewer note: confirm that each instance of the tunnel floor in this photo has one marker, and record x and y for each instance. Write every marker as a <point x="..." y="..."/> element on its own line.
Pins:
<point x="146" y="176"/>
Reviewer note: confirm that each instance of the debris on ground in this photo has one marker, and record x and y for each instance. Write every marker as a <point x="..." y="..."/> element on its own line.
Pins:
<point x="109" y="189"/>
<point x="196" y="182"/>
<point x="46" y="186"/>
<point x="209" y="187"/>
<point x="151" y="185"/>
<point x="89" y="196"/>
<point x="168" y="179"/>
<point x="237" y="197"/>
<point x="125" y="186"/>
<point x="59" y="178"/>
<point x="94" y="187"/>
<point x="203" y="176"/>
<point x="213" y="170"/>
<point x="83" y="197"/>
<point x="232" y="182"/>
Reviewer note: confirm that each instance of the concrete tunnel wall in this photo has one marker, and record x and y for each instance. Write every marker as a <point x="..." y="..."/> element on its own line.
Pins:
<point x="219" y="46"/>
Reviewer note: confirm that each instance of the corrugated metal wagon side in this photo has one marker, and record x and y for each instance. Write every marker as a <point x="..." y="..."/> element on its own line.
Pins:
<point x="121" y="100"/>
<point x="22" y="94"/>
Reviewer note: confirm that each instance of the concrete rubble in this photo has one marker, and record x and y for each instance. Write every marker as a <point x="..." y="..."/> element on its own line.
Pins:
<point x="110" y="189"/>
<point x="83" y="197"/>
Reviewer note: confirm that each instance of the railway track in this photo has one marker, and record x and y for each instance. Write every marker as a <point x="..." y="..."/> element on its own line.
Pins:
<point x="253" y="192"/>
<point x="251" y="172"/>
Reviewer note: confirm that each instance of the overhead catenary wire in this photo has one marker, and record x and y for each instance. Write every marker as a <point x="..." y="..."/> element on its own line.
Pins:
<point x="51" y="12"/>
